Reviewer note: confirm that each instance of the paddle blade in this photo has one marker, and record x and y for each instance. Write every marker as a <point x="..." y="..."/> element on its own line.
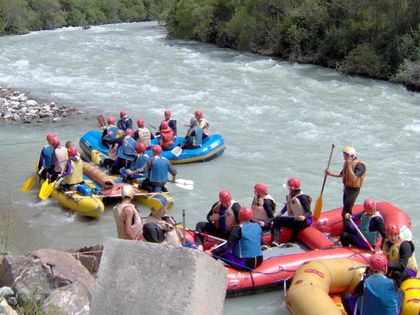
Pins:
<point x="176" y="151"/>
<point x="28" y="184"/>
<point x="46" y="189"/>
<point x="185" y="184"/>
<point x="318" y="208"/>
<point x="101" y="121"/>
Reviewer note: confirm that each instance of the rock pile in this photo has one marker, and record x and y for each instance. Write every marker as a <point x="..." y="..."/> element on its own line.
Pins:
<point x="17" y="106"/>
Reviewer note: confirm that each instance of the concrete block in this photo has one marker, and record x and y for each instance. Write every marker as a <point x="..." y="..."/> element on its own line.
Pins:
<point x="147" y="278"/>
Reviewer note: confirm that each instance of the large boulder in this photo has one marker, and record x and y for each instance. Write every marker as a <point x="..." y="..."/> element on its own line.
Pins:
<point x="147" y="278"/>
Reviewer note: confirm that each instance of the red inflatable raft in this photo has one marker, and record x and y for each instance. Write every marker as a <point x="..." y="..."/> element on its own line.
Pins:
<point x="314" y="243"/>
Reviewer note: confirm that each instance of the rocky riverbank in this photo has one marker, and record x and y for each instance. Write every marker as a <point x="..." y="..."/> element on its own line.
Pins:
<point x="19" y="107"/>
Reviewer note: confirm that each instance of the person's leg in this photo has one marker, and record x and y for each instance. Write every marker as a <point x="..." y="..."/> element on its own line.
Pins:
<point x="349" y="302"/>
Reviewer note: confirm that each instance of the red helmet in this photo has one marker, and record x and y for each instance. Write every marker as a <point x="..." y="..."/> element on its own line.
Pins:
<point x="378" y="261"/>
<point x="72" y="151"/>
<point x="55" y="142"/>
<point x="141" y="147"/>
<point x="370" y="204"/>
<point x="111" y="120"/>
<point x="225" y="196"/>
<point x="293" y="183"/>
<point x="246" y="213"/>
<point x="164" y="124"/>
<point x="392" y="229"/>
<point x="50" y="136"/>
<point x="198" y="114"/>
<point x="129" y="131"/>
<point x="261" y="189"/>
<point x="123" y="113"/>
<point x="167" y="113"/>
<point x="140" y="122"/>
<point x="156" y="149"/>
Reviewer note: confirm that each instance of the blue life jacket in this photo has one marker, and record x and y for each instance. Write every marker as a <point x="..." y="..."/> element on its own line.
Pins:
<point x="197" y="139"/>
<point x="130" y="148"/>
<point x="379" y="297"/>
<point x="111" y="133"/>
<point x="138" y="162"/>
<point x="159" y="172"/>
<point x="47" y="154"/>
<point x="250" y="244"/>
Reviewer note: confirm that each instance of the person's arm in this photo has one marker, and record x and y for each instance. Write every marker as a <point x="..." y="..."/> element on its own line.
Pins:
<point x="306" y="205"/>
<point x="172" y="170"/>
<point x="127" y="218"/>
<point x="234" y="236"/>
<point x="153" y="233"/>
<point x="236" y="207"/>
<point x="129" y="124"/>
<point x="152" y="136"/>
<point x="68" y="168"/>
<point x="211" y="215"/>
<point x="405" y="253"/>
<point x="377" y="224"/>
<point x="269" y="207"/>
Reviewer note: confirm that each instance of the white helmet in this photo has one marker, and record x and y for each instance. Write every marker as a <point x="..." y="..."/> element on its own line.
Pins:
<point x="127" y="191"/>
<point x="350" y="151"/>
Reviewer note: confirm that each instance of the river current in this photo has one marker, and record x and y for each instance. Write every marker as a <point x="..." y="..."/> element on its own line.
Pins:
<point x="278" y="120"/>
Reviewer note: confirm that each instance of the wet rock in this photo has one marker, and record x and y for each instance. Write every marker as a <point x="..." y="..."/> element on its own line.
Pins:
<point x="5" y="308"/>
<point x="71" y="299"/>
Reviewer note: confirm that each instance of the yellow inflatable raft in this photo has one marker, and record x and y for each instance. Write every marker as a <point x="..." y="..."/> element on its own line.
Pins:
<point x="411" y="288"/>
<point x="315" y="280"/>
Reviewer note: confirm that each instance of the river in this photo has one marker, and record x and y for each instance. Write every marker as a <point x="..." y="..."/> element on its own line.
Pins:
<point x="278" y="120"/>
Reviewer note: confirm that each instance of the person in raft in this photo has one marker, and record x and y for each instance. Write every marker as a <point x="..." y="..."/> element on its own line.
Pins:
<point x="124" y="122"/>
<point x="110" y="133"/>
<point x="202" y="123"/>
<point x="194" y="137"/>
<point x="264" y="207"/>
<point x="73" y="174"/>
<point x="46" y="157"/>
<point x="125" y="153"/>
<point x="353" y="174"/>
<point x="60" y="158"/>
<point x="160" y="228"/>
<point x="243" y="249"/>
<point x="139" y="161"/>
<point x="371" y="224"/>
<point x="156" y="168"/>
<point x="127" y="219"/>
<point x="377" y="294"/>
<point x="166" y="136"/>
<point x="171" y="122"/>
<point x="298" y="207"/>
<point x="222" y="217"/>
<point x="143" y="134"/>
<point x="402" y="262"/>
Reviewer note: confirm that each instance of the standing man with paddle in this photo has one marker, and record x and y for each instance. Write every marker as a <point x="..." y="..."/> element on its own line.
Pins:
<point x="353" y="174"/>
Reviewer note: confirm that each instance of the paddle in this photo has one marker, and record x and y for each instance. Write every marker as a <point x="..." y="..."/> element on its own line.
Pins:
<point x="185" y="184"/>
<point x="176" y="151"/>
<point x="28" y="184"/>
<point x="46" y="189"/>
<point x="361" y="235"/>
<point x="101" y="121"/>
<point x="318" y="205"/>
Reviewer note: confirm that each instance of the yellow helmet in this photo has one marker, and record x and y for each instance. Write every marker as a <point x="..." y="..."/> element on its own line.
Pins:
<point x="350" y="151"/>
<point x="156" y="202"/>
<point x="127" y="191"/>
<point x="120" y="132"/>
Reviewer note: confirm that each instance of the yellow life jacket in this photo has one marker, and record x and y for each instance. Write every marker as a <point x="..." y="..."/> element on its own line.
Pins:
<point x="76" y="175"/>
<point x="393" y="255"/>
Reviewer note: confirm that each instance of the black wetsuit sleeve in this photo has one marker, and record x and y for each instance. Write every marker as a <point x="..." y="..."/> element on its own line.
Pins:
<point x="306" y="205"/>
<point x="153" y="233"/>
<point x="211" y="211"/>
<point x="236" y="207"/>
<point x="359" y="169"/>
<point x="405" y="253"/>
<point x="234" y="236"/>
<point x="378" y="225"/>
<point x="269" y="207"/>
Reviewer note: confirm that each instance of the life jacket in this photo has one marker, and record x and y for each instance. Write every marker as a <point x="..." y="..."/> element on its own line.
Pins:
<point x="364" y="224"/>
<point x="159" y="171"/>
<point x="167" y="137"/>
<point x="204" y="125"/>
<point x="250" y="244"/>
<point x="113" y="151"/>
<point x="139" y="161"/>
<point x="173" y="236"/>
<point x="258" y="207"/>
<point x="294" y="207"/>
<point x="347" y="181"/>
<point x="136" y="225"/>
<point x="76" y="175"/>
<point x="172" y="125"/>
<point x="61" y="158"/>
<point x="111" y="133"/>
<point x="227" y="217"/>
<point x="379" y="297"/>
<point x="47" y="154"/>
<point x="130" y="146"/>
<point x="393" y="254"/>
<point x="124" y="124"/>
<point x="196" y="140"/>
<point x="144" y="136"/>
